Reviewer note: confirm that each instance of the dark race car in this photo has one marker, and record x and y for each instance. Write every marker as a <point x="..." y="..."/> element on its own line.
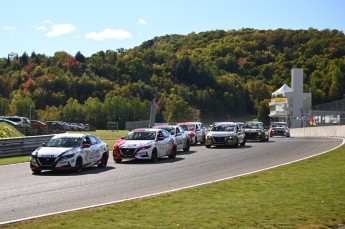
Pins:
<point x="279" y="129"/>
<point x="255" y="131"/>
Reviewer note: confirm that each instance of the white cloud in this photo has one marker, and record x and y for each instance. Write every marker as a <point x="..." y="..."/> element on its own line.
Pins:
<point x="116" y="34"/>
<point x="60" y="29"/>
<point x="41" y="28"/>
<point x="142" y="22"/>
<point x="9" y="27"/>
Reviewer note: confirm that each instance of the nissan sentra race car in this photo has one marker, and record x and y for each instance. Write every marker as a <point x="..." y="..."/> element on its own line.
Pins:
<point x="144" y="143"/>
<point x="70" y="152"/>
<point x="181" y="136"/>
<point x="225" y="134"/>
<point x="256" y="131"/>
<point x="279" y="129"/>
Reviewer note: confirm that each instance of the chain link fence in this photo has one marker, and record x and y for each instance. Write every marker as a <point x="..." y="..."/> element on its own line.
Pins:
<point x="327" y="114"/>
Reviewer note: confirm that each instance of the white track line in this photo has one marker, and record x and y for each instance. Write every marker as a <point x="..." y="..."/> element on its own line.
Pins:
<point x="172" y="190"/>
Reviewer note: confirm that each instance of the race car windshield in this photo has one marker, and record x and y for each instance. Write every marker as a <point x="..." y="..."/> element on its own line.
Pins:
<point x="252" y="126"/>
<point x="279" y="125"/>
<point x="147" y="135"/>
<point x="188" y="127"/>
<point x="228" y="128"/>
<point x="65" y="142"/>
<point x="171" y="130"/>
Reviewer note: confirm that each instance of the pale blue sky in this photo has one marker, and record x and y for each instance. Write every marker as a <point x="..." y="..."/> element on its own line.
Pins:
<point x="89" y="26"/>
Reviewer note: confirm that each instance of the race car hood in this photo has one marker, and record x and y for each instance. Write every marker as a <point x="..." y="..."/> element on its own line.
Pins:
<point x="136" y="143"/>
<point x="51" y="151"/>
<point x="278" y="128"/>
<point x="220" y="133"/>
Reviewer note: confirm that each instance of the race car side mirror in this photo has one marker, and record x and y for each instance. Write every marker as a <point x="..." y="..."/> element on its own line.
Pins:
<point x="86" y="145"/>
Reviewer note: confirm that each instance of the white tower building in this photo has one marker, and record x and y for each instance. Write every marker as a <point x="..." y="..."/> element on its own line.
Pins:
<point x="286" y="102"/>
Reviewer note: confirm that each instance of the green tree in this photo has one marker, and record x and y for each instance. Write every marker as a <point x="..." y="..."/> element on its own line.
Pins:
<point x="94" y="112"/>
<point x="22" y="105"/>
<point x="50" y="113"/>
<point x="4" y="106"/>
<point x="178" y="110"/>
<point x="73" y="111"/>
<point x="336" y="90"/>
<point x="263" y="112"/>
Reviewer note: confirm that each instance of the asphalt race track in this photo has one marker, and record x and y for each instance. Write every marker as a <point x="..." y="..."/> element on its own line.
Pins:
<point x="24" y="195"/>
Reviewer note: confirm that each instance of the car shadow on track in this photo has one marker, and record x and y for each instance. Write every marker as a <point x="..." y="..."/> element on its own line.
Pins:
<point x="161" y="160"/>
<point x="85" y="171"/>
<point x="230" y="147"/>
<point x="185" y="152"/>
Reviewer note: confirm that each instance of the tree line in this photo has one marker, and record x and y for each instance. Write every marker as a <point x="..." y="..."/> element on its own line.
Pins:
<point x="200" y="76"/>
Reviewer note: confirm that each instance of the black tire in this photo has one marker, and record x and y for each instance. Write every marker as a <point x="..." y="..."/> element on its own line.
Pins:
<point x="173" y="153"/>
<point x="118" y="160"/>
<point x="195" y="141"/>
<point x="104" y="161"/>
<point x="187" y="147"/>
<point x="268" y="138"/>
<point x="203" y="140"/>
<point x="244" y="142"/>
<point x="236" y="145"/>
<point x="154" y="156"/>
<point x="208" y="146"/>
<point x="79" y="165"/>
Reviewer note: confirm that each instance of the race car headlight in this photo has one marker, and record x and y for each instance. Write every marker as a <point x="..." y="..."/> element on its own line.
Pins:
<point x="231" y="137"/>
<point x="67" y="156"/>
<point x="208" y="137"/>
<point x="260" y="133"/>
<point x="145" y="147"/>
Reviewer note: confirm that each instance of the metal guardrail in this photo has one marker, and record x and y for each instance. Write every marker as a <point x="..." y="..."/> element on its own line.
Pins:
<point x="21" y="145"/>
<point x="137" y="124"/>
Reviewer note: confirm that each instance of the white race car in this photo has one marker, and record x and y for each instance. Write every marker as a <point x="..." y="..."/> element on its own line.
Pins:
<point x="145" y="144"/>
<point x="181" y="136"/>
<point x="225" y="134"/>
<point x="70" y="152"/>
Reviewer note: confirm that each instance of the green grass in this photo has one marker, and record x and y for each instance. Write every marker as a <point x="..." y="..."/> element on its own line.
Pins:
<point x="7" y="131"/>
<point x="306" y="194"/>
<point x="14" y="160"/>
<point x="104" y="134"/>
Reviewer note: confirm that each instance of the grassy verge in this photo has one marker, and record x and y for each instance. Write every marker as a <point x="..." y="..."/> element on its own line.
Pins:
<point x="7" y="131"/>
<point x="306" y="194"/>
<point x="14" y="160"/>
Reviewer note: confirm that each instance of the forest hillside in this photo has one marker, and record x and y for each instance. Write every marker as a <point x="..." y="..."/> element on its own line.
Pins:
<point x="200" y="76"/>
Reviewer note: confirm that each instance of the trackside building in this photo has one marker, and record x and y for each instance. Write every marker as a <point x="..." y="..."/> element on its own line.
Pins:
<point x="286" y="103"/>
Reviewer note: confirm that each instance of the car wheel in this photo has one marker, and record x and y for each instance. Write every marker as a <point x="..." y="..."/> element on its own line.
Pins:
<point x="187" y="147"/>
<point x="118" y="160"/>
<point x="236" y="144"/>
<point x="203" y="140"/>
<point x="208" y="146"/>
<point x="243" y="143"/>
<point x="79" y="165"/>
<point x="195" y="140"/>
<point x="104" y="161"/>
<point x="154" y="156"/>
<point x="268" y="138"/>
<point x="172" y="153"/>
